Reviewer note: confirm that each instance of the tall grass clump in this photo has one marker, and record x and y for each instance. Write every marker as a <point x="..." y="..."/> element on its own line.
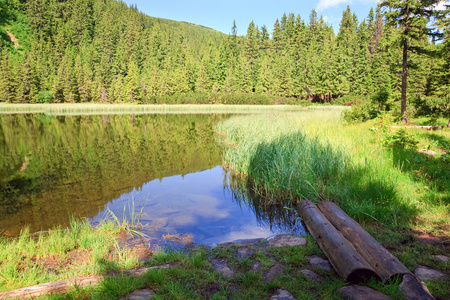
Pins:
<point x="286" y="157"/>
<point x="80" y="250"/>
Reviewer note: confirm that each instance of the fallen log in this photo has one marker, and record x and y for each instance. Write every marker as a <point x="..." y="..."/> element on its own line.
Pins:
<point x="62" y="286"/>
<point x="386" y="265"/>
<point x="434" y="127"/>
<point x="347" y="262"/>
<point x="51" y="287"/>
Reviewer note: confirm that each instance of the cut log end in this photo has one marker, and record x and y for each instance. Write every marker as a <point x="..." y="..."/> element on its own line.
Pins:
<point x="362" y="275"/>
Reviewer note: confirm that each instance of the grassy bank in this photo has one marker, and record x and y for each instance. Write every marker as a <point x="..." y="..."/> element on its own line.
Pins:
<point x="60" y="253"/>
<point x="400" y="196"/>
<point x="92" y="108"/>
<point x="312" y="155"/>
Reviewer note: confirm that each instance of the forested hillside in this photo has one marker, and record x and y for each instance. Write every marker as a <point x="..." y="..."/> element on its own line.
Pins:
<point x="104" y="51"/>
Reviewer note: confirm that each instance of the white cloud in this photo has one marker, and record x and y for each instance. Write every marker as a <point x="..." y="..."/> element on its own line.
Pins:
<point x="324" y="4"/>
<point x="441" y="5"/>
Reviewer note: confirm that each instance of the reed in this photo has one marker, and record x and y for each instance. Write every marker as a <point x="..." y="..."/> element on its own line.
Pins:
<point x="288" y="156"/>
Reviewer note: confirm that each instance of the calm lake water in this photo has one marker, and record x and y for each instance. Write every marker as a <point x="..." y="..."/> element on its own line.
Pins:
<point x="164" y="169"/>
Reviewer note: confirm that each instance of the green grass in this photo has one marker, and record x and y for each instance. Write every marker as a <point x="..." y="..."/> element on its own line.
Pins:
<point x="85" y="109"/>
<point x="61" y="254"/>
<point x="284" y="157"/>
<point x="289" y="156"/>
<point x="312" y="155"/>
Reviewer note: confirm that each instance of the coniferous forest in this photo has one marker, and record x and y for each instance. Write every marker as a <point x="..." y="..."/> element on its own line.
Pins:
<point x="104" y="51"/>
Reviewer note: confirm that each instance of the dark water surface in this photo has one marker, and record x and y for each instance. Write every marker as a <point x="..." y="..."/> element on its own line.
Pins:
<point x="162" y="169"/>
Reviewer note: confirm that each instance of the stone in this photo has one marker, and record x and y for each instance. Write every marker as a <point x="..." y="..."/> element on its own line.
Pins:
<point x="244" y="252"/>
<point x="256" y="266"/>
<point x="273" y="272"/>
<point x="222" y="267"/>
<point x="425" y="273"/>
<point x="442" y="258"/>
<point x="311" y="275"/>
<point x="140" y="295"/>
<point x="245" y="242"/>
<point x="356" y="292"/>
<point x="286" y="240"/>
<point x="320" y="263"/>
<point x="412" y="289"/>
<point x="282" y="295"/>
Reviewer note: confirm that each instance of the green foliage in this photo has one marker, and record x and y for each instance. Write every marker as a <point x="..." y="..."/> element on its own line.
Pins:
<point x="381" y="98"/>
<point x="401" y="139"/>
<point x="343" y="163"/>
<point x="44" y="97"/>
<point x="362" y="111"/>
<point x="104" y="51"/>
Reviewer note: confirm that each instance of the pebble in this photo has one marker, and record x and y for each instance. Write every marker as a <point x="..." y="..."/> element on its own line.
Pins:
<point x="282" y="295"/>
<point x="244" y="252"/>
<point x="273" y="272"/>
<point x="442" y="258"/>
<point x="222" y="267"/>
<point x="425" y="273"/>
<point x="287" y="240"/>
<point x="320" y="263"/>
<point x="311" y="275"/>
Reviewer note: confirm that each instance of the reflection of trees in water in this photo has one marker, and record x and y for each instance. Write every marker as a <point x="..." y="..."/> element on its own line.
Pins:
<point x="74" y="165"/>
<point x="267" y="213"/>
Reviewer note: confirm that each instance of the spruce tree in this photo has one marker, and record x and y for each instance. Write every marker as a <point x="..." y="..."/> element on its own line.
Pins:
<point x="411" y="16"/>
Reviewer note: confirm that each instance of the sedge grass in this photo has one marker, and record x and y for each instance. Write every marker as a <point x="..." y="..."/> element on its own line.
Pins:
<point x="312" y="155"/>
<point x="133" y="225"/>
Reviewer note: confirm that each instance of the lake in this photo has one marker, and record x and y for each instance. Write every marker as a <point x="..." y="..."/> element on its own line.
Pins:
<point x="161" y="169"/>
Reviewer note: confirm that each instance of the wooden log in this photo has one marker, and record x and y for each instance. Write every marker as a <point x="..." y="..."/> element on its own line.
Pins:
<point x="386" y="265"/>
<point x="51" y="287"/>
<point x="347" y="262"/>
<point x="433" y="127"/>
<point x="62" y="286"/>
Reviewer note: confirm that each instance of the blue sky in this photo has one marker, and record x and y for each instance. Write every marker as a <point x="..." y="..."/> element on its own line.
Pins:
<point x="219" y="14"/>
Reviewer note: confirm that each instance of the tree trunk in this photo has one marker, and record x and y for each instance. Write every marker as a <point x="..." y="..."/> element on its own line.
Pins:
<point x="382" y="261"/>
<point x="346" y="261"/>
<point x="448" y="125"/>
<point x="405" y="67"/>
<point x="404" y="82"/>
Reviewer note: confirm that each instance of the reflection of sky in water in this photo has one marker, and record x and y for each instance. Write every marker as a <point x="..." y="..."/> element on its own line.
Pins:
<point x="195" y="204"/>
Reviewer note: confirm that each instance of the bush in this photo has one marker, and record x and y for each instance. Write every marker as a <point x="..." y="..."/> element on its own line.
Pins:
<point x="362" y="111"/>
<point x="401" y="139"/>
<point x="381" y="99"/>
<point x="44" y="97"/>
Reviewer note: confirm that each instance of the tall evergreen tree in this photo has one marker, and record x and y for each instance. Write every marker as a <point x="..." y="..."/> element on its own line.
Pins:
<point x="412" y="17"/>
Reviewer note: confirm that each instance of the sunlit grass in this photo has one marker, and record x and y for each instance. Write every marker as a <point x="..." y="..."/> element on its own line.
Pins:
<point x="312" y="155"/>
<point x="80" y="250"/>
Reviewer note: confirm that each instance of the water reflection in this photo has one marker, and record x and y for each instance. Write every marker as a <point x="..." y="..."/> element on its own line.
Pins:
<point x="167" y="166"/>
<point x="75" y="165"/>
<point x="203" y="206"/>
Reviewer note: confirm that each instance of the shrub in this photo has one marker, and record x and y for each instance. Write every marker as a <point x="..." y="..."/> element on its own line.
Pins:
<point x="401" y="139"/>
<point x="362" y="111"/>
<point x="44" y="97"/>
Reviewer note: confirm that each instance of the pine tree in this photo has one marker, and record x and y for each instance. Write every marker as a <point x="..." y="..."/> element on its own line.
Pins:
<point x="412" y="17"/>
<point x="7" y="78"/>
